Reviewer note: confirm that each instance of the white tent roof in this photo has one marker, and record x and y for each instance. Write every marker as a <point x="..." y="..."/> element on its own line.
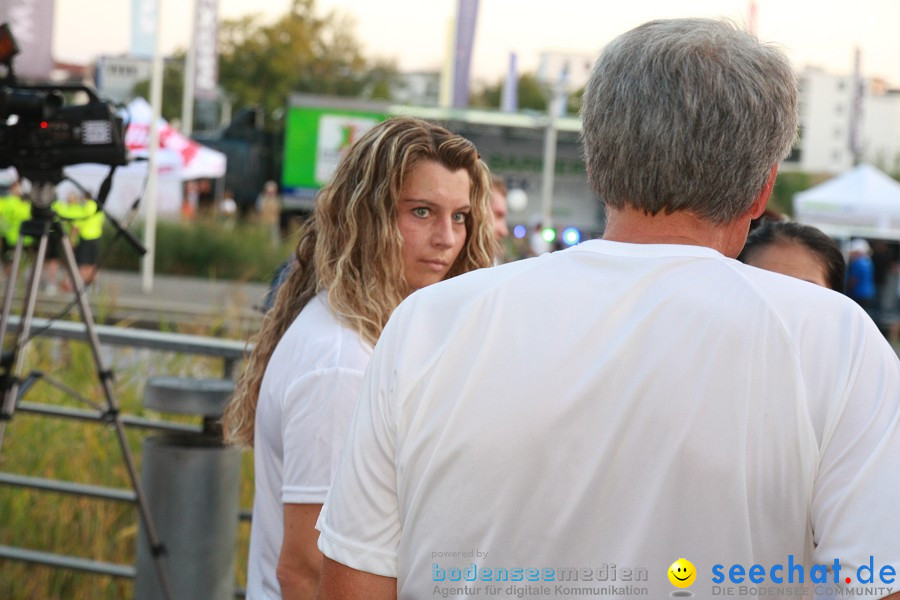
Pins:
<point x="861" y="202"/>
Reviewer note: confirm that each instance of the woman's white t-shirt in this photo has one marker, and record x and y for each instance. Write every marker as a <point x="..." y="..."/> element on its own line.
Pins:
<point x="305" y="404"/>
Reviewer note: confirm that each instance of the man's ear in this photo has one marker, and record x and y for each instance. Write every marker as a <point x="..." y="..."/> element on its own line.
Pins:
<point x="762" y="200"/>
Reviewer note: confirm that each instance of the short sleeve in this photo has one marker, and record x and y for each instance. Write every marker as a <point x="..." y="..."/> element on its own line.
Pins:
<point x="360" y="523"/>
<point x="854" y="512"/>
<point x="316" y="417"/>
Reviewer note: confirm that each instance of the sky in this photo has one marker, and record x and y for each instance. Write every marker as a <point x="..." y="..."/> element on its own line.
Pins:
<point x="413" y="33"/>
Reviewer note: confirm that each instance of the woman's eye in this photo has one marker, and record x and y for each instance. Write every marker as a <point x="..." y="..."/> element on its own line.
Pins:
<point x="460" y="217"/>
<point x="420" y="212"/>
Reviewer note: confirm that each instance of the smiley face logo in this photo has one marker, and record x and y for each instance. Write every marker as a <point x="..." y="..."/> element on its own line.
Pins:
<point x="682" y="573"/>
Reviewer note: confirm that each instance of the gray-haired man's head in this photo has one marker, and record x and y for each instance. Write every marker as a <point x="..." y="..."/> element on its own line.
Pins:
<point x="687" y="115"/>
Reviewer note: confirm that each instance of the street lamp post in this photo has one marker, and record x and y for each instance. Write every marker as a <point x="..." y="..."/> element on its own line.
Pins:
<point x="554" y="109"/>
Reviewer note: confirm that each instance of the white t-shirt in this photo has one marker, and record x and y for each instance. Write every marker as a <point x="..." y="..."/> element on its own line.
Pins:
<point x="305" y="403"/>
<point x="608" y="409"/>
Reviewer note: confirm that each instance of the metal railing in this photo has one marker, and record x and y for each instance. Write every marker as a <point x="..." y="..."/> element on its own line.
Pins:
<point x="230" y="351"/>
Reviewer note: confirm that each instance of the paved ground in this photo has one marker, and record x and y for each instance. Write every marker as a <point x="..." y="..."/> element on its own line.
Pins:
<point x="118" y="297"/>
<point x="189" y="293"/>
<point x="185" y="299"/>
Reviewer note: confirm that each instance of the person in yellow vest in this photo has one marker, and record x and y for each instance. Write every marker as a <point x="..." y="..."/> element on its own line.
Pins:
<point x="67" y="215"/>
<point x="14" y="210"/>
<point x="85" y="226"/>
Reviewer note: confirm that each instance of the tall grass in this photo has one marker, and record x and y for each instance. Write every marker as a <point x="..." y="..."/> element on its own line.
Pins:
<point x="204" y="248"/>
<point x="51" y="447"/>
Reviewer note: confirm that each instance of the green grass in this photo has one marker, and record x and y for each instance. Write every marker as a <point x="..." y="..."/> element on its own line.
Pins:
<point x="83" y="452"/>
<point x="203" y="248"/>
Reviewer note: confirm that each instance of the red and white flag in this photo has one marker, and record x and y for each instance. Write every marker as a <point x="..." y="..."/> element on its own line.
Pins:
<point x="197" y="161"/>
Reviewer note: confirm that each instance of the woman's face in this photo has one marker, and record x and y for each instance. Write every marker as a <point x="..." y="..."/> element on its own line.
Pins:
<point x="432" y="211"/>
<point x="790" y="258"/>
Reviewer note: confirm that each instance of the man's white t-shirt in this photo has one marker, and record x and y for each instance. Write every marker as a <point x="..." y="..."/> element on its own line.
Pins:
<point x="608" y="409"/>
<point x="305" y="404"/>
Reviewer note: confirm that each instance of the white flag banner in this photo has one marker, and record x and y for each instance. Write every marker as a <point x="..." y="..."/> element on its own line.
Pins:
<point x="206" y="49"/>
<point x="144" y="17"/>
<point x="466" y="18"/>
<point x="509" y="98"/>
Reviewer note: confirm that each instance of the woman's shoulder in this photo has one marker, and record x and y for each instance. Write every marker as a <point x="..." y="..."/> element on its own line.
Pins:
<point x="317" y="339"/>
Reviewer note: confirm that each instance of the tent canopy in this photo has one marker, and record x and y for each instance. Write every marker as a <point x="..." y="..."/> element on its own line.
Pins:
<point x="862" y="202"/>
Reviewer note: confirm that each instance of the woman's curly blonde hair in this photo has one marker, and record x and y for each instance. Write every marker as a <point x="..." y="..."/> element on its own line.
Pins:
<point x="351" y="245"/>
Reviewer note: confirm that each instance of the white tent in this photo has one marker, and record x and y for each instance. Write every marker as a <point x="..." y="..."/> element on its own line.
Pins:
<point x="179" y="158"/>
<point x="863" y="202"/>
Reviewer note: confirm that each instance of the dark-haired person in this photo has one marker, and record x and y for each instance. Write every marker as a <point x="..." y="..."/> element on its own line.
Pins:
<point x="797" y="250"/>
<point x="637" y="399"/>
<point x="408" y="206"/>
<point x="499" y="209"/>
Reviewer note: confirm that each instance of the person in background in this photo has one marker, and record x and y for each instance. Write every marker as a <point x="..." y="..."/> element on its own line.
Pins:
<point x="190" y="201"/>
<point x="84" y="222"/>
<point x="228" y="209"/>
<point x="408" y="206"/>
<point x="498" y="213"/>
<point x="636" y="399"/>
<point x="796" y="250"/>
<point x="537" y="245"/>
<point x="861" y="275"/>
<point x="268" y="207"/>
<point x="52" y="259"/>
<point x="885" y="263"/>
<point x="14" y="210"/>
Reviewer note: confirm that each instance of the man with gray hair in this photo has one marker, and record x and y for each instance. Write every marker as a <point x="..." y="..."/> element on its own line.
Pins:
<point x="638" y="415"/>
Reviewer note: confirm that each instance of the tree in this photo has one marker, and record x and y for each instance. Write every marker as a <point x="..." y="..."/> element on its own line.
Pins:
<point x="300" y="52"/>
<point x="574" y="101"/>
<point x="262" y="65"/>
<point x="533" y="95"/>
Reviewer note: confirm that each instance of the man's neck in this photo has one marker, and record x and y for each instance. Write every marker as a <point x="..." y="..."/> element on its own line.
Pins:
<point x="634" y="227"/>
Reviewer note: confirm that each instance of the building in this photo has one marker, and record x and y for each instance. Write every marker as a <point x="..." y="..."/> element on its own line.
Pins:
<point x="419" y="88"/>
<point x="881" y="128"/>
<point x="116" y="76"/>
<point x="839" y="127"/>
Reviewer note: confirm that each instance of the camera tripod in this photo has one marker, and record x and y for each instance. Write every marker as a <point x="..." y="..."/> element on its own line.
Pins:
<point x="45" y="229"/>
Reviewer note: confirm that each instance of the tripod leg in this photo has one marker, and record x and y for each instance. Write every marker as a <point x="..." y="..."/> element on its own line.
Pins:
<point x="10" y="288"/>
<point x="114" y="417"/>
<point x="16" y="361"/>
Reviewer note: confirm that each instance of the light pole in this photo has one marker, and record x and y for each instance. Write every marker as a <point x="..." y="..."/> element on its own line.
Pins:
<point x="557" y="70"/>
<point x="554" y="109"/>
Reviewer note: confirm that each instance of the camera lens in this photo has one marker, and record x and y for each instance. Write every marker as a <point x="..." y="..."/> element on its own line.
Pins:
<point x="28" y="105"/>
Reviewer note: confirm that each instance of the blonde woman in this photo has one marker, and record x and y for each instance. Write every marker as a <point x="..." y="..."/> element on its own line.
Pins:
<point x="409" y="205"/>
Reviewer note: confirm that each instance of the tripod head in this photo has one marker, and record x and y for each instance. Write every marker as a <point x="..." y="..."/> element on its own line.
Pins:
<point x="43" y="191"/>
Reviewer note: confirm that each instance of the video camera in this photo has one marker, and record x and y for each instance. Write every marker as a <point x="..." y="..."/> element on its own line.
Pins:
<point x="40" y="134"/>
